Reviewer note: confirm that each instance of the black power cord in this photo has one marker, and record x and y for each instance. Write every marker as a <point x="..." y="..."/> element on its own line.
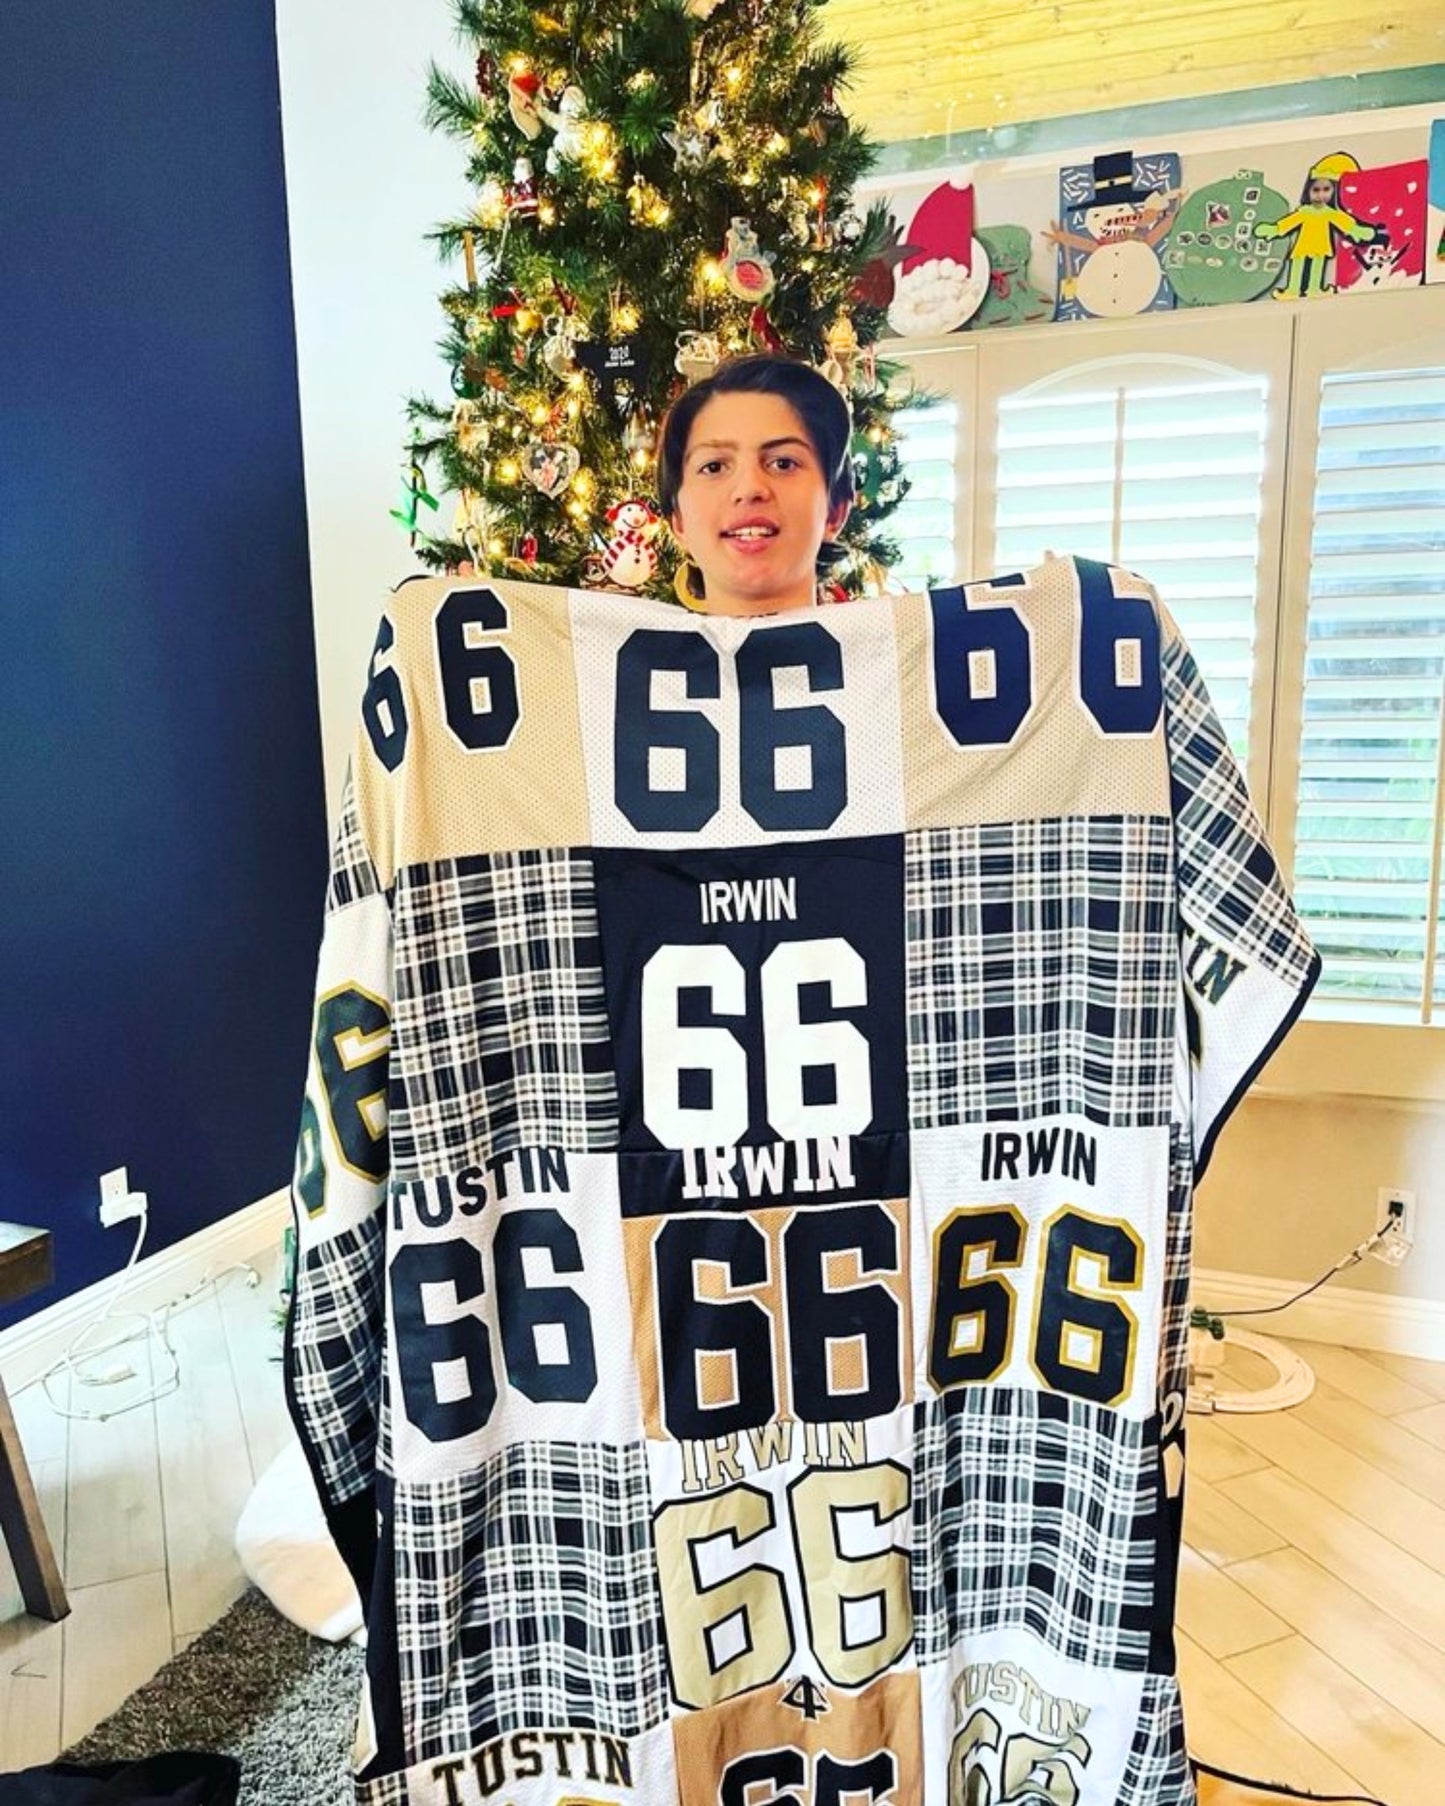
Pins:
<point x="1278" y="1787"/>
<point x="1200" y="1318"/>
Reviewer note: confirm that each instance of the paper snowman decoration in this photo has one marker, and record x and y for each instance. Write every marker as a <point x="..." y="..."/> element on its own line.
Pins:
<point x="1116" y="216"/>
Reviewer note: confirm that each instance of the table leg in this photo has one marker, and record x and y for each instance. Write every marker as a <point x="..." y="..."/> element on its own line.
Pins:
<point x="35" y="1567"/>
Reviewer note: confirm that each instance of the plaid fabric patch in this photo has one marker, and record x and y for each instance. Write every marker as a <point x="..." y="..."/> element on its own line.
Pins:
<point x="1157" y="1772"/>
<point x="1042" y="970"/>
<point x="353" y="874"/>
<point x="385" y="1790"/>
<point x="1036" y="1511"/>
<point x="334" y="1353"/>
<point x="526" y="1594"/>
<point x="1229" y="885"/>
<point x="500" y="1035"/>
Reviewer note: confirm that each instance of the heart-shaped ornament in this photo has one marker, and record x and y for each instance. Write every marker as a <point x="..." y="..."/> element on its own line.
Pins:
<point x="550" y="467"/>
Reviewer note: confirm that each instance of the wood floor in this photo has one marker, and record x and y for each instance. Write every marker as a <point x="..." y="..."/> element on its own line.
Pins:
<point x="1312" y="1608"/>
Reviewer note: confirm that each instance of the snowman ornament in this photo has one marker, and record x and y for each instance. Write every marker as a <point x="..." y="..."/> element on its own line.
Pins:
<point x="629" y="560"/>
<point x="1122" y="227"/>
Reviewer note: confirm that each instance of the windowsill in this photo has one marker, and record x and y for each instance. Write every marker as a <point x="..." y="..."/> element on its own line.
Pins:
<point x="1404" y="1062"/>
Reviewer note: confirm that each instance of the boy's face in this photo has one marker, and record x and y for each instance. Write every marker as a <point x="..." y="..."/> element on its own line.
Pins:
<point x="752" y="506"/>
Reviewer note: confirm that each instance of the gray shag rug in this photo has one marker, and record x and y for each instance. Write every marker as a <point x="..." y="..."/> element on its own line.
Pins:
<point x="256" y="1687"/>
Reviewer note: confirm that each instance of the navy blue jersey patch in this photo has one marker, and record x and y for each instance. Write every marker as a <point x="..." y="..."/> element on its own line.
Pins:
<point x="756" y="1005"/>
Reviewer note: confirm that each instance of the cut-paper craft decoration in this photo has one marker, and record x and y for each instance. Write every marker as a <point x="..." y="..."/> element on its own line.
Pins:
<point x="941" y="283"/>
<point x="1216" y="254"/>
<point x="1317" y="227"/>
<point x="1391" y="201"/>
<point x="1012" y="300"/>
<point x="1435" y="219"/>
<point x="1115" y="217"/>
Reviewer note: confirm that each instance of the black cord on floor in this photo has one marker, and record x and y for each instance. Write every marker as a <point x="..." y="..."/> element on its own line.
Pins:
<point x="1203" y="1318"/>
<point x="1268" y="1310"/>
<point x="1278" y="1787"/>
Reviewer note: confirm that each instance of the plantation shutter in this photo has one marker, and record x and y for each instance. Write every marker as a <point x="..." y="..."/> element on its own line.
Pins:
<point x="924" y="523"/>
<point x="1163" y="480"/>
<point x="933" y="524"/>
<point x="1138" y="449"/>
<point x="1359" y="746"/>
<point x="1367" y="833"/>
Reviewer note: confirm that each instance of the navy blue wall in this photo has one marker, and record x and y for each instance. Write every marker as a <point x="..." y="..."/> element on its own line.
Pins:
<point x="162" y="835"/>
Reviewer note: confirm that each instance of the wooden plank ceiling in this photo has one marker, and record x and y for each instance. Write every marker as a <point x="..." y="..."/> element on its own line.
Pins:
<point x="929" y="67"/>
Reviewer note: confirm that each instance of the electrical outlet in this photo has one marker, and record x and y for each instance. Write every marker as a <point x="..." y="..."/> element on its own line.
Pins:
<point x="118" y="1203"/>
<point x="1397" y="1214"/>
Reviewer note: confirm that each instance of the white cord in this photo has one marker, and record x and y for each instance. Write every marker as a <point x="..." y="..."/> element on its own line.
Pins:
<point x="153" y="1327"/>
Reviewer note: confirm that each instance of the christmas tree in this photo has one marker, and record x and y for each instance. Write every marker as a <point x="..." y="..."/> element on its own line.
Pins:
<point x="658" y="184"/>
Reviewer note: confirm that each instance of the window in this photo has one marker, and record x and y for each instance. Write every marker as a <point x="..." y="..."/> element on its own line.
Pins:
<point x="1279" y="473"/>
<point x="923" y="523"/>
<point x="1164" y="478"/>
<point x="1367" y="816"/>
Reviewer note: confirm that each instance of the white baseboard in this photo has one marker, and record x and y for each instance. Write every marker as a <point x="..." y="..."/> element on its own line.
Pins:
<point x="1346" y="1316"/>
<point x="30" y="1347"/>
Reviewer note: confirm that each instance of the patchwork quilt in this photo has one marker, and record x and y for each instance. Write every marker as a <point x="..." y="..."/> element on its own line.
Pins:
<point x="759" y="1073"/>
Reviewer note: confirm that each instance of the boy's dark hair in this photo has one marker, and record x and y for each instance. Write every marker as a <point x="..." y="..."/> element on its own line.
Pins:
<point x="815" y="401"/>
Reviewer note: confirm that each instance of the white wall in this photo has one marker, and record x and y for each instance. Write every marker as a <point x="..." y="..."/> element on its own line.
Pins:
<point x="365" y="180"/>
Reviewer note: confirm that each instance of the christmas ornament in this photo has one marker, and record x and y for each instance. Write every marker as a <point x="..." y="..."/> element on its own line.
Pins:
<point x="522" y="195"/>
<point x="764" y="331"/>
<point x="617" y="364"/>
<point x="823" y="235"/>
<point x="747" y="267"/>
<point x="472" y="433"/>
<point x="473" y="376"/>
<point x="841" y="340"/>
<point x="698" y="355"/>
<point x="828" y="121"/>
<point x="527" y="550"/>
<point x="486" y="75"/>
<point x="414" y="495"/>
<point x="1216" y="253"/>
<point x="550" y="466"/>
<point x="471" y="524"/>
<point x="523" y="88"/>
<point x="559" y="353"/>
<point x="639" y="436"/>
<point x="689" y="146"/>
<point x="567" y="120"/>
<point x="629" y="558"/>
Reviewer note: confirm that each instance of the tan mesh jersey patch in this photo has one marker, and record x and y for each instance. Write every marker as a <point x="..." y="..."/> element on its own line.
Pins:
<point x="1059" y="763"/>
<point x="449" y="800"/>
<point x="822" y="1723"/>
<point x="716" y="1372"/>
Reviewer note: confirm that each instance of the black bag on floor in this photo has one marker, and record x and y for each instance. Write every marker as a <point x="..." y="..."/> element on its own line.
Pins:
<point x="175" y="1778"/>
